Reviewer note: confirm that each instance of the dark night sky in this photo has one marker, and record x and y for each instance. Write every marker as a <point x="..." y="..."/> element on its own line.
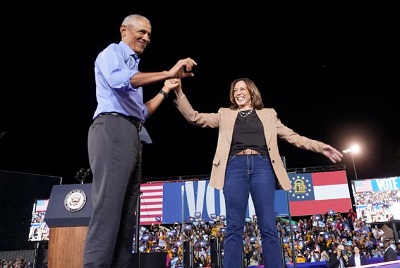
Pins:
<point x="332" y="77"/>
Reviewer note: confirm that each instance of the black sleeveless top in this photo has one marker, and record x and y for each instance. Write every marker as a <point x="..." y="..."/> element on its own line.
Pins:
<point x="248" y="133"/>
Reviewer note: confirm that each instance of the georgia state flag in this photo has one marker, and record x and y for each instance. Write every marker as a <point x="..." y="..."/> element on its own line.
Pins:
<point x="317" y="193"/>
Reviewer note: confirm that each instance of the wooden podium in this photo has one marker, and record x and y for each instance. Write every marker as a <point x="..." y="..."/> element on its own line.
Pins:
<point x="68" y="214"/>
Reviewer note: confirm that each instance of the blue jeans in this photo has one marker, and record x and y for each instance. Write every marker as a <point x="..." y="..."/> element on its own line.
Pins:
<point x="250" y="174"/>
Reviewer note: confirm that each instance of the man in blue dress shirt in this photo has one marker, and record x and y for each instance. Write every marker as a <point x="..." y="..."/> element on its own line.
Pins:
<point x="114" y="144"/>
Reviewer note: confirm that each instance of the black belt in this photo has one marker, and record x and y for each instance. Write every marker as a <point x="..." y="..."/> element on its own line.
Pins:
<point x="131" y="119"/>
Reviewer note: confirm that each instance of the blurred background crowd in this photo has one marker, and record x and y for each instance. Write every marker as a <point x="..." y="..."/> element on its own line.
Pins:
<point x="314" y="239"/>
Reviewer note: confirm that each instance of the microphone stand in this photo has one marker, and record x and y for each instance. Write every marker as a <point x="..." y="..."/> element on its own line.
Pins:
<point x="136" y="249"/>
<point x="144" y="139"/>
<point x="290" y="224"/>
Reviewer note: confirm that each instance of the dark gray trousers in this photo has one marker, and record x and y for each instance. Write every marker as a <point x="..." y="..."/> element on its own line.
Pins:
<point x="115" y="159"/>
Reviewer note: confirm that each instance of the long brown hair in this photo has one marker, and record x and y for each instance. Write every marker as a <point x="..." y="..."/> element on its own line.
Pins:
<point x="255" y="95"/>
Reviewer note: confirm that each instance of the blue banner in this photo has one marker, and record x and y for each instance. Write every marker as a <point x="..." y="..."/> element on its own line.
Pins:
<point x="182" y="200"/>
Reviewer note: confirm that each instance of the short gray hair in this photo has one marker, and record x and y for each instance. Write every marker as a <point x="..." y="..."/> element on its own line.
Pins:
<point x="133" y="18"/>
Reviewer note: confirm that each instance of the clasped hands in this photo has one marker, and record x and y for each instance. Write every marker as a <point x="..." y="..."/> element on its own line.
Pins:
<point x="183" y="68"/>
<point x="173" y="84"/>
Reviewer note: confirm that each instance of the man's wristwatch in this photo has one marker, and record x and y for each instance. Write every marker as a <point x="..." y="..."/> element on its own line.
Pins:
<point x="165" y="94"/>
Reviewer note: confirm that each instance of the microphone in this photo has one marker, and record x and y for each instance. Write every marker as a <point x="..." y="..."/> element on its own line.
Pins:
<point x="79" y="173"/>
<point x="82" y="174"/>
<point x="87" y="172"/>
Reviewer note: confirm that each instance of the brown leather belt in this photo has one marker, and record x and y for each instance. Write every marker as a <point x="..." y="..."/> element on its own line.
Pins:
<point x="248" y="152"/>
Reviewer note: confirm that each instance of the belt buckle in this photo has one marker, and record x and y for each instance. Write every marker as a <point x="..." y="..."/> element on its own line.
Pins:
<point x="139" y="127"/>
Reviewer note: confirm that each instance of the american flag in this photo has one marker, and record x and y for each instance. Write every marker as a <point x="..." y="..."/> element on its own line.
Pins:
<point x="151" y="203"/>
<point x="363" y="186"/>
<point x="41" y="205"/>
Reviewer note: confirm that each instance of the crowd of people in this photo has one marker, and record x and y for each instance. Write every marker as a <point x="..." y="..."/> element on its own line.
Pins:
<point x="378" y="206"/>
<point x="318" y="238"/>
<point x="19" y="262"/>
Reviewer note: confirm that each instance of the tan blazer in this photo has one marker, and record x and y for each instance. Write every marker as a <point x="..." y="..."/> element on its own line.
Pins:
<point x="225" y="120"/>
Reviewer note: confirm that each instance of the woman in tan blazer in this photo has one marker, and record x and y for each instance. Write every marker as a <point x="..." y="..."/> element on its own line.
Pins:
<point x="247" y="160"/>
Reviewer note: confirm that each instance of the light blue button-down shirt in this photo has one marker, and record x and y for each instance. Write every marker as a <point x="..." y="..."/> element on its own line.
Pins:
<point x="113" y="68"/>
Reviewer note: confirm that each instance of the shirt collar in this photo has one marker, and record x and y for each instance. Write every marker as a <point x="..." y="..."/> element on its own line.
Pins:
<point x="135" y="56"/>
<point x="129" y="50"/>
